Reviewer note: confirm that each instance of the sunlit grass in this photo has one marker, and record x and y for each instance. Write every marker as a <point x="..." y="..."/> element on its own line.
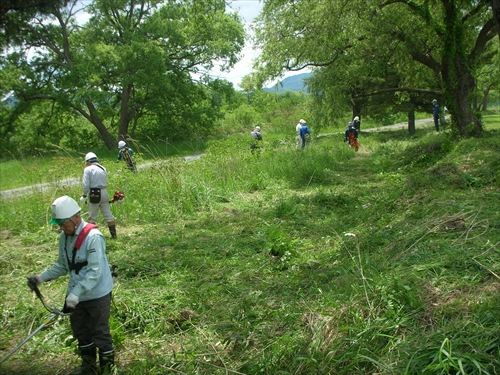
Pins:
<point x="321" y="261"/>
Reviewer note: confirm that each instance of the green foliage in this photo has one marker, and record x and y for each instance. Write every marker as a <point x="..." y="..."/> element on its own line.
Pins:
<point x="362" y="65"/>
<point x="96" y="70"/>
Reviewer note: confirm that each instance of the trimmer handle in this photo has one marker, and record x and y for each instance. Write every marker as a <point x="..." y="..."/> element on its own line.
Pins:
<point x="34" y="287"/>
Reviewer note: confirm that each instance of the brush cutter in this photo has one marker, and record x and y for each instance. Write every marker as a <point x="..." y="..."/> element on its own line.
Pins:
<point x="118" y="197"/>
<point x="55" y="313"/>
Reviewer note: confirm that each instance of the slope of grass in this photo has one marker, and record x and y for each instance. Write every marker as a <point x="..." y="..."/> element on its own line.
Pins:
<point x="322" y="261"/>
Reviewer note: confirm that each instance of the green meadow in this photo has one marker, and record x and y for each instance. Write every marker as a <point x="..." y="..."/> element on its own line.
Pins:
<point x="292" y="262"/>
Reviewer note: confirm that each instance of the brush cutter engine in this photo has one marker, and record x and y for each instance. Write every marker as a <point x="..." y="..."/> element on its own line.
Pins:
<point x="118" y="197"/>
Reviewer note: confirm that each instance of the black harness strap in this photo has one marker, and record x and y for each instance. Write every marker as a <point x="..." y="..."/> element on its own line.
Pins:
<point x="81" y="237"/>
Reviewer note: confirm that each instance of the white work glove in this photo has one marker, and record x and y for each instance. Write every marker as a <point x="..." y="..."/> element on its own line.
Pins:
<point x="72" y="300"/>
<point x="83" y="199"/>
<point x="35" y="280"/>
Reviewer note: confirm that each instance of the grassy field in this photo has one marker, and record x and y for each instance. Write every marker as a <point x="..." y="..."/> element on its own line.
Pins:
<point x="321" y="261"/>
<point x="63" y="164"/>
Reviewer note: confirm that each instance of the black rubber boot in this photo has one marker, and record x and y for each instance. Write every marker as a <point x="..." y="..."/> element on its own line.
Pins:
<point x="112" y="229"/>
<point x="89" y="359"/>
<point x="107" y="363"/>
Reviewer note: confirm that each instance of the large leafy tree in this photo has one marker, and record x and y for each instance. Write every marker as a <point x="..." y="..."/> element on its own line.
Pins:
<point x="461" y="31"/>
<point x="14" y="13"/>
<point x="132" y="60"/>
<point x="447" y="37"/>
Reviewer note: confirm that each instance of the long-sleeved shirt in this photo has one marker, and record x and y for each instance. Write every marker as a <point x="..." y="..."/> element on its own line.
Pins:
<point x="122" y="152"/>
<point x="94" y="280"/>
<point x="435" y="111"/>
<point x="303" y="131"/>
<point x="94" y="176"/>
<point x="256" y="135"/>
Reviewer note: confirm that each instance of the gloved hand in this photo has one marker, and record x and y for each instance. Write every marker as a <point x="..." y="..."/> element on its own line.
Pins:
<point x="72" y="300"/>
<point x="83" y="199"/>
<point x="35" y="280"/>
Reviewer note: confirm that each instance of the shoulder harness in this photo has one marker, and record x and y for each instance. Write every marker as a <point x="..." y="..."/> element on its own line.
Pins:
<point x="79" y="240"/>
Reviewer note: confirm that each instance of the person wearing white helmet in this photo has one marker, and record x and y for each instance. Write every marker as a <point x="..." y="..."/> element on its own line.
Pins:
<point x="95" y="192"/>
<point x="356" y="123"/>
<point x="82" y="255"/>
<point x="257" y="137"/>
<point x="304" y="134"/>
<point x="298" y="139"/>
<point x="351" y="136"/>
<point x="126" y="153"/>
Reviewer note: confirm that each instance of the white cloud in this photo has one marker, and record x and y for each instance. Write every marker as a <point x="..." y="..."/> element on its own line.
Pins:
<point x="248" y="10"/>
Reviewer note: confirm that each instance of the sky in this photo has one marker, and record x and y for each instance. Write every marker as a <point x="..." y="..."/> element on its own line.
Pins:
<point x="248" y="10"/>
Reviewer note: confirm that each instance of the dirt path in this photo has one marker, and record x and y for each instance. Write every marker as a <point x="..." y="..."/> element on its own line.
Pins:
<point x="19" y="192"/>
<point x="401" y="125"/>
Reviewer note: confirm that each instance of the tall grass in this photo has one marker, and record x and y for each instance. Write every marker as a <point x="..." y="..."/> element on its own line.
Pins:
<point x="284" y="261"/>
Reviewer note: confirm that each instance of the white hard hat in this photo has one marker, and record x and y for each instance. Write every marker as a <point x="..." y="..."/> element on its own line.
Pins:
<point x="63" y="208"/>
<point x="302" y="121"/>
<point x="121" y="144"/>
<point x="257" y="127"/>
<point x="90" y="157"/>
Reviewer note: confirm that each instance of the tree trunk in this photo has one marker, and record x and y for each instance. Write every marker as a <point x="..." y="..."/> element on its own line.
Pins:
<point x="495" y="8"/>
<point x="94" y="119"/>
<point x="411" y="121"/>
<point x="126" y="111"/>
<point x="458" y="90"/>
<point x="457" y="76"/>
<point x="484" y="102"/>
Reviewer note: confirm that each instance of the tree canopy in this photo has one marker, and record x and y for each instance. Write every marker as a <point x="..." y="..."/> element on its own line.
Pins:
<point x="134" y="64"/>
<point x="398" y="46"/>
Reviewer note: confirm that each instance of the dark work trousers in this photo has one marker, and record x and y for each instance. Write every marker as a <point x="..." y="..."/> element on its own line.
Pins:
<point x="90" y="323"/>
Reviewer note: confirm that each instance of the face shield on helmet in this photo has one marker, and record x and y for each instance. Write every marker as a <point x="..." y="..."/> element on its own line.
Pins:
<point x="63" y="209"/>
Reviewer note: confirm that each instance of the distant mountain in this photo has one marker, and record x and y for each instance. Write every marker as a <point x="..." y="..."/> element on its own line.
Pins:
<point x="293" y="83"/>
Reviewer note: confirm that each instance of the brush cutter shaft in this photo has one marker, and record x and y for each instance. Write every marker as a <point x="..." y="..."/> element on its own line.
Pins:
<point x="29" y="337"/>
<point x="53" y="310"/>
<point x="55" y="313"/>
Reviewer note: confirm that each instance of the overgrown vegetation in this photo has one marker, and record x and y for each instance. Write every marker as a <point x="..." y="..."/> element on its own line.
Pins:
<point x="322" y="261"/>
